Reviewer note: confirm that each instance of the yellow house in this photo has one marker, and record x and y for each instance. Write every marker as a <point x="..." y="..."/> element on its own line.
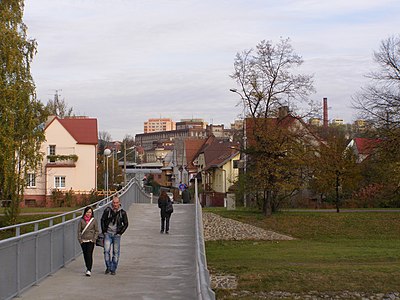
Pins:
<point x="216" y="162"/>
<point x="69" y="161"/>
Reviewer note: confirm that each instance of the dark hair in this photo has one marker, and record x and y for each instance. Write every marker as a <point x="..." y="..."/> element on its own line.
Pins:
<point x="164" y="196"/>
<point x="86" y="209"/>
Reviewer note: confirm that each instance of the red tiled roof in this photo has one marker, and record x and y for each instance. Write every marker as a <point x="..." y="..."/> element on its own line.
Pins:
<point x="365" y="145"/>
<point x="192" y="147"/>
<point x="218" y="152"/>
<point x="83" y="130"/>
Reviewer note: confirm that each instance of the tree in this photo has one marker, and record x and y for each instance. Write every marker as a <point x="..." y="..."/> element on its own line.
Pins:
<point x="104" y="139"/>
<point x="58" y="107"/>
<point x="22" y="115"/>
<point x="379" y="101"/>
<point x="267" y="80"/>
<point x="335" y="170"/>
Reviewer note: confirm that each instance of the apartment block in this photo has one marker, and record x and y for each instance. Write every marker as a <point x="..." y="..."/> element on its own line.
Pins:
<point x="161" y="124"/>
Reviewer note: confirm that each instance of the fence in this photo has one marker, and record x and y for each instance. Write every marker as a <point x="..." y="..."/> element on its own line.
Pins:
<point x="28" y="258"/>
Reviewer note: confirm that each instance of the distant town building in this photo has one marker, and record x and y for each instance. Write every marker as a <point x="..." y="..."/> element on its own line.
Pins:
<point x="191" y="123"/>
<point x="315" y="121"/>
<point x="337" y="122"/>
<point x="156" y="125"/>
<point x="237" y="125"/>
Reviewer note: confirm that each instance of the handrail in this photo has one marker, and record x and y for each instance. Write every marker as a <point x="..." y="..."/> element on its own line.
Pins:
<point x="204" y="291"/>
<point x="63" y="216"/>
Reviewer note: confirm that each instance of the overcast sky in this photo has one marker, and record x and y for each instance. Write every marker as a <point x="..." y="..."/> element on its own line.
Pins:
<point x="125" y="61"/>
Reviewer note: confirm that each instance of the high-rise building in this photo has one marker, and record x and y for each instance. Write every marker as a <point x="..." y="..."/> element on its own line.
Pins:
<point x="161" y="124"/>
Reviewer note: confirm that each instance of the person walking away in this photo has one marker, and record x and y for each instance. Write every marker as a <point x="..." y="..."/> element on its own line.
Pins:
<point x="88" y="230"/>
<point x="186" y="196"/>
<point x="165" y="216"/>
<point x="114" y="222"/>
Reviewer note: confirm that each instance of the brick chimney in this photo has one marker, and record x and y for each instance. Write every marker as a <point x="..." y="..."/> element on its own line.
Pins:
<point x="325" y="113"/>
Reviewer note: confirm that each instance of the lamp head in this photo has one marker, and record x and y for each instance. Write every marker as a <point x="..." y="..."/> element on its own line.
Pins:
<point x="107" y="152"/>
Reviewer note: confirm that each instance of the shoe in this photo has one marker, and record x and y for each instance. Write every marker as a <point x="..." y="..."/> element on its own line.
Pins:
<point x="166" y="232"/>
<point x="112" y="273"/>
<point x="107" y="271"/>
<point x="161" y="231"/>
<point x="88" y="273"/>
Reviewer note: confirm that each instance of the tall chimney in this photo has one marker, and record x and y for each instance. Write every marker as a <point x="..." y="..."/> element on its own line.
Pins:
<point x="325" y="112"/>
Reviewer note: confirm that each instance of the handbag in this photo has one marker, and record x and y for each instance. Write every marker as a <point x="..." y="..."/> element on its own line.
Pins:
<point x="169" y="209"/>
<point x="100" y="240"/>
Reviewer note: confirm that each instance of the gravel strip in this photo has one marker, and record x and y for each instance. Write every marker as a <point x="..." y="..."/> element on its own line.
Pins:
<point x="216" y="228"/>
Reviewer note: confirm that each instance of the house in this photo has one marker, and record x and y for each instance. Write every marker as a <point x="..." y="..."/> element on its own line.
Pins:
<point x="363" y="147"/>
<point x="216" y="163"/>
<point x="69" y="161"/>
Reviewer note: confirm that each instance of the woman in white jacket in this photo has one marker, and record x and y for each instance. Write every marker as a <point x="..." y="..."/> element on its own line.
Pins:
<point x="88" y="231"/>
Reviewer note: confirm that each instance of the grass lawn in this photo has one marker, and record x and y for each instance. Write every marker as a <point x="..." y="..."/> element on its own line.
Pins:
<point x="33" y="214"/>
<point x="358" y="251"/>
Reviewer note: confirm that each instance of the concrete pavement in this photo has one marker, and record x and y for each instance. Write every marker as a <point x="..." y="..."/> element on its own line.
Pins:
<point x="151" y="266"/>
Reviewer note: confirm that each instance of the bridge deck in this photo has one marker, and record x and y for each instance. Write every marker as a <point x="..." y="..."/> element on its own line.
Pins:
<point x="151" y="266"/>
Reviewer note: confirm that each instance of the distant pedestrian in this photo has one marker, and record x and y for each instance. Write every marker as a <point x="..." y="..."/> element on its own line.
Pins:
<point x="186" y="197"/>
<point x="88" y="231"/>
<point x="163" y="201"/>
<point x="114" y="222"/>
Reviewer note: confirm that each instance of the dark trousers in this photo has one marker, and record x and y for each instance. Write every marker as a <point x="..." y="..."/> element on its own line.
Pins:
<point x="165" y="222"/>
<point x="87" y="249"/>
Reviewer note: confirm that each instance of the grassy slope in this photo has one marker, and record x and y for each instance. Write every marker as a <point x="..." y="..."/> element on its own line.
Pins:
<point x="333" y="252"/>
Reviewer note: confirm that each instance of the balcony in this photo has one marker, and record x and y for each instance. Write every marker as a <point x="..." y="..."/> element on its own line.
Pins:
<point x="61" y="160"/>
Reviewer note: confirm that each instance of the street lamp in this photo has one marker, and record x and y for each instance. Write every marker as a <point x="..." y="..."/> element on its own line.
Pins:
<point x="107" y="153"/>
<point x="244" y="138"/>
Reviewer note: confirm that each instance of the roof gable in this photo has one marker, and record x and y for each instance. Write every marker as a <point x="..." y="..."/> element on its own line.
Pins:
<point x="83" y="130"/>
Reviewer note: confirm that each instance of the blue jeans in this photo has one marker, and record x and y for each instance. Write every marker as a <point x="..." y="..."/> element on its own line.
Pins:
<point x="111" y="261"/>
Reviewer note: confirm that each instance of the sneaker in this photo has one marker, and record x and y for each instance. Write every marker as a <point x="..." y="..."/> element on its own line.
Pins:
<point x="88" y="273"/>
<point x="107" y="271"/>
<point x="112" y="272"/>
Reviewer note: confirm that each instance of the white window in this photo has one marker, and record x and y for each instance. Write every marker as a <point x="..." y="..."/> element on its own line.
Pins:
<point x="59" y="182"/>
<point x="31" y="180"/>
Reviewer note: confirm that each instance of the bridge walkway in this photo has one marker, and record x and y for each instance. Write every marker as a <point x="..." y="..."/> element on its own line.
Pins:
<point x="151" y="266"/>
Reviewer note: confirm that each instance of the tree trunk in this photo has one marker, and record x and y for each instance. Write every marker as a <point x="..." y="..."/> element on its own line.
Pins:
<point x="337" y="193"/>
<point x="267" y="203"/>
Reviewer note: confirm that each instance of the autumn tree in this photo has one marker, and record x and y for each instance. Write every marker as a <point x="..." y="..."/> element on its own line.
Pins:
<point x="335" y="169"/>
<point x="21" y="114"/>
<point x="267" y="80"/>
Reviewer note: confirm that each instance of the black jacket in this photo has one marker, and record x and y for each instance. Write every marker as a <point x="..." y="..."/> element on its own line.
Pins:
<point x="121" y="219"/>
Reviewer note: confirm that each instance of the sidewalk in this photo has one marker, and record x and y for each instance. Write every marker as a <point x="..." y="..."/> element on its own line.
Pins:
<point x="152" y="265"/>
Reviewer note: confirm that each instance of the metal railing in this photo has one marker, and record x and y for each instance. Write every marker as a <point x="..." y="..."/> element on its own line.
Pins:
<point x="28" y="258"/>
<point x="204" y="291"/>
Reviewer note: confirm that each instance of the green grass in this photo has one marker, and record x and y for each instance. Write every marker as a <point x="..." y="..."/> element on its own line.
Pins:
<point x="332" y="252"/>
<point x="35" y="213"/>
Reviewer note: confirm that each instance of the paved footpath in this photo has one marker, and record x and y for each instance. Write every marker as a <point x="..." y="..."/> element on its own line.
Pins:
<point x="152" y="265"/>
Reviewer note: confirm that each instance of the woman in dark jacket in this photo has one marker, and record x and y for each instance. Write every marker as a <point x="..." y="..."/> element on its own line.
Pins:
<point x="162" y="204"/>
<point x="88" y="231"/>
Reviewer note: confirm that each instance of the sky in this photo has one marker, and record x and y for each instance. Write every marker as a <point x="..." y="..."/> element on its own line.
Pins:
<point x="125" y="61"/>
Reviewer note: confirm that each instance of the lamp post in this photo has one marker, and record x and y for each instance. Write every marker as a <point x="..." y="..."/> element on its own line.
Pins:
<point x="244" y="139"/>
<point x="107" y="153"/>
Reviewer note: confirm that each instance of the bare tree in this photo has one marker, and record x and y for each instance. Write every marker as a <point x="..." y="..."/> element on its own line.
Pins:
<point x="59" y="107"/>
<point x="266" y="78"/>
<point x="379" y="101"/>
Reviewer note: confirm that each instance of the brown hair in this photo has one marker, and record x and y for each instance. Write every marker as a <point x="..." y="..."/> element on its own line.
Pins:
<point x="164" y="196"/>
